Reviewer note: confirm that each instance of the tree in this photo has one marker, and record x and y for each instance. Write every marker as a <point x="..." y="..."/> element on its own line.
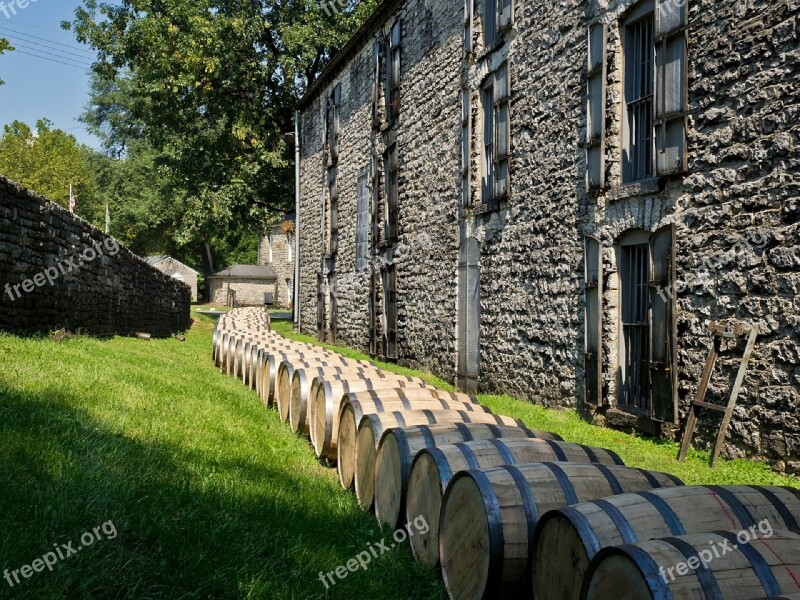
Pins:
<point x="48" y="161"/>
<point x="5" y="46"/>
<point x="211" y="85"/>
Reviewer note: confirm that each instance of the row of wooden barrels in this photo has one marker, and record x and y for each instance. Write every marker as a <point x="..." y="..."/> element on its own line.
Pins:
<point x="511" y="511"/>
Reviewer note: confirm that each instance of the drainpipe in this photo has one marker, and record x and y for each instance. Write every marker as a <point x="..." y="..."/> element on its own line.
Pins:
<point x="296" y="303"/>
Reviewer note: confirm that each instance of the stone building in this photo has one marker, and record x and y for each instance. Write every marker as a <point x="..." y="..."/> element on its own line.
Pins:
<point x="176" y="270"/>
<point x="246" y="285"/>
<point x="276" y="250"/>
<point x="554" y="199"/>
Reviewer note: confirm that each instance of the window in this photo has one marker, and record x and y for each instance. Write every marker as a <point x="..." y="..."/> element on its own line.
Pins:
<point x="634" y="273"/>
<point x="377" y="57"/>
<point x="289" y="243"/>
<point x="332" y="124"/>
<point x="495" y="183"/>
<point x="468" y="27"/>
<point x="654" y="39"/>
<point x="647" y="381"/>
<point x="269" y="249"/>
<point x="596" y="107"/>
<point x="390" y="311"/>
<point x="392" y="195"/>
<point x="362" y="223"/>
<point x="487" y="182"/>
<point x="393" y="75"/>
<point x="466" y="146"/>
<point x="498" y="17"/>
<point x="639" y="140"/>
<point x="333" y="214"/>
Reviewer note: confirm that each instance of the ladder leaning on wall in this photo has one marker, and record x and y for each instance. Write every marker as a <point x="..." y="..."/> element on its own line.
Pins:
<point x="719" y="332"/>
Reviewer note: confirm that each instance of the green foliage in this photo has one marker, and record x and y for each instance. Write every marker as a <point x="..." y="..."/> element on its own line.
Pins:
<point x="210" y="86"/>
<point x="47" y="161"/>
<point x="5" y="46"/>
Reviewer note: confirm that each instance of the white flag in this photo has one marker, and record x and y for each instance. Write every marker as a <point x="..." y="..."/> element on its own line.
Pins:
<point x="71" y="200"/>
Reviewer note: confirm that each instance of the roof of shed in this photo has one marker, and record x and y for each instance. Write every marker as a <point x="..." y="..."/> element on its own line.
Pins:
<point x="154" y="260"/>
<point x="247" y="272"/>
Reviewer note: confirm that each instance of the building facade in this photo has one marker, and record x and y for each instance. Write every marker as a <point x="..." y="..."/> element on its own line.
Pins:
<point x="243" y="285"/>
<point x="176" y="270"/>
<point x="555" y="200"/>
<point x="276" y="250"/>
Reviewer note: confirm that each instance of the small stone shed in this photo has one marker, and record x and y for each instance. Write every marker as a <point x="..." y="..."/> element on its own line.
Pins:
<point x="253" y="285"/>
<point x="176" y="269"/>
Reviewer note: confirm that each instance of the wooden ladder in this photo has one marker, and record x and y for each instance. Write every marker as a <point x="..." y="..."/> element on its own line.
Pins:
<point x="718" y="333"/>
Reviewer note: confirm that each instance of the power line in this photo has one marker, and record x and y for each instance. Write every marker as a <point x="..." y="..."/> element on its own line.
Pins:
<point x="52" y="60"/>
<point x="67" y="58"/>
<point x="18" y="22"/>
<point x="4" y="27"/>
<point x="39" y="46"/>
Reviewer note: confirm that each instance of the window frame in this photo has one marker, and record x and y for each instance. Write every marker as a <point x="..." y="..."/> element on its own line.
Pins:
<point x="391" y="203"/>
<point x="488" y="143"/>
<point x="638" y="149"/>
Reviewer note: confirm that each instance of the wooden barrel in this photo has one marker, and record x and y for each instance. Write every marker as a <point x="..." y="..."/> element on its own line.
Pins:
<point x="488" y="517"/>
<point x="273" y="361"/>
<point x="285" y="373"/>
<point x="299" y="413"/>
<point x="577" y="533"/>
<point x="324" y="410"/>
<point x="701" y="566"/>
<point x="434" y="467"/>
<point x="355" y="406"/>
<point x="415" y="431"/>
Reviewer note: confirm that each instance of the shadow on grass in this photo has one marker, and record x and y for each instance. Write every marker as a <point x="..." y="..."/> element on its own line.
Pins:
<point x="190" y="524"/>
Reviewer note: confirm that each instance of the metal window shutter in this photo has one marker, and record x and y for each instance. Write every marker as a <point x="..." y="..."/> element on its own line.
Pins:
<point x="663" y="332"/>
<point x="502" y="145"/>
<point x="506" y="14"/>
<point x="671" y="102"/>
<point x="362" y="228"/>
<point x="593" y="320"/>
<point x="596" y="106"/>
<point x="376" y="88"/>
<point x="468" y="26"/>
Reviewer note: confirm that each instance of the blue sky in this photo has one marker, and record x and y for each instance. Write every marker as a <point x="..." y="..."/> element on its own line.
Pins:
<point x="36" y="87"/>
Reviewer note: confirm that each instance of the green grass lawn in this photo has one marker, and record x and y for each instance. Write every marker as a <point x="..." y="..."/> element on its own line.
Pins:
<point x="209" y="494"/>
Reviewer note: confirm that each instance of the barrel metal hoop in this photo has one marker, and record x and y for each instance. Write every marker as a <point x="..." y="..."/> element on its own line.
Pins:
<point x="590" y="453"/>
<point x="442" y="464"/>
<point x="783" y="511"/>
<point x="620" y="522"/>
<point x="430" y="416"/>
<point x="564" y="482"/>
<point x="495" y="431"/>
<point x="469" y="455"/>
<point x="672" y="520"/>
<point x="616" y="486"/>
<point x="401" y="420"/>
<point x="760" y="565"/>
<point x="557" y="450"/>
<point x="528" y="501"/>
<point x="740" y="510"/>
<point x="494" y="518"/>
<point x="584" y="529"/>
<point x="465" y="432"/>
<point x="503" y="450"/>
<point x="704" y="574"/>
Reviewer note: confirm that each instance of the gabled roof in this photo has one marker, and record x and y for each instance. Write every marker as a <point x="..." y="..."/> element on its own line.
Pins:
<point x="247" y="272"/>
<point x="155" y="260"/>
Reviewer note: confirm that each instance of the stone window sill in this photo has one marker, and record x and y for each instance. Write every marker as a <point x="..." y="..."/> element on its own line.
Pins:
<point x="637" y="188"/>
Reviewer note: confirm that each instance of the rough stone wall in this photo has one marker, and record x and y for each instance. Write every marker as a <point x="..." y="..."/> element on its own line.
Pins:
<point x="276" y="250"/>
<point x="170" y="266"/>
<point x="249" y="292"/>
<point x="58" y="271"/>
<point x="428" y="136"/>
<point x="741" y="187"/>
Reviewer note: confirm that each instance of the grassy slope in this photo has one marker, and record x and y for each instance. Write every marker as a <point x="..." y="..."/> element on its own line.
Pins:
<point x="636" y="451"/>
<point x="210" y="494"/>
